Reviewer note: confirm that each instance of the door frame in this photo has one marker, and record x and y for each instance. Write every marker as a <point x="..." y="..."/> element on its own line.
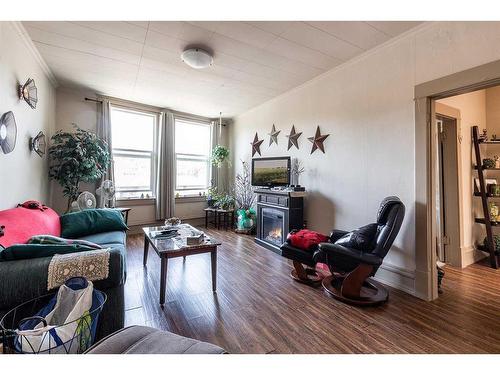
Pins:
<point x="478" y="78"/>
<point x="446" y="112"/>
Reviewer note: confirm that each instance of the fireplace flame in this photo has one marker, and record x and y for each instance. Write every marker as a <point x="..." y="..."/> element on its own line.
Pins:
<point x="275" y="234"/>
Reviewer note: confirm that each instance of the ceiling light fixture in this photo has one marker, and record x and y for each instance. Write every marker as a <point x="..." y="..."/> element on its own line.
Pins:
<point x="197" y="58"/>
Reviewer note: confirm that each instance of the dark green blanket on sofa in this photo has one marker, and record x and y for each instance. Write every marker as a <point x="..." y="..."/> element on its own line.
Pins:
<point x="22" y="280"/>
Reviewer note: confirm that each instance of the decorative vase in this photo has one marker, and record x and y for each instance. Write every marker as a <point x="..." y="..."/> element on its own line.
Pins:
<point x="241" y="219"/>
<point x="245" y="220"/>
<point x="248" y="223"/>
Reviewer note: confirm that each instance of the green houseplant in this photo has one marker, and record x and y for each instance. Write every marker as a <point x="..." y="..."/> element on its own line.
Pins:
<point x="220" y="154"/>
<point x="212" y="196"/>
<point x="225" y="202"/>
<point x="488" y="163"/>
<point x="77" y="157"/>
<point x="496" y="242"/>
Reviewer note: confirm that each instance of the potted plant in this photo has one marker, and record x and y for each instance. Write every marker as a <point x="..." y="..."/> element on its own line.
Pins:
<point x="496" y="242"/>
<point x="77" y="157"/>
<point x="212" y="196"/>
<point x="220" y="154"/>
<point x="297" y="170"/>
<point x="245" y="199"/>
<point x="225" y="202"/>
<point x="488" y="163"/>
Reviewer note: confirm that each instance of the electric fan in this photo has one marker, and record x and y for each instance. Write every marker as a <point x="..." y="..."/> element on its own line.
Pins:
<point x="106" y="194"/>
<point x="8" y="132"/>
<point x="86" y="200"/>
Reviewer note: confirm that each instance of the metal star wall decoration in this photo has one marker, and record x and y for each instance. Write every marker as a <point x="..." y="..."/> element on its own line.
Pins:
<point x="273" y="136"/>
<point x="318" y="140"/>
<point x="293" y="138"/>
<point x="256" y="144"/>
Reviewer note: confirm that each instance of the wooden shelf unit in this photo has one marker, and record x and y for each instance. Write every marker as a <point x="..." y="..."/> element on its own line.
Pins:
<point x="488" y="169"/>
<point x="481" y="220"/>
<point x="489" y="247"/>
<point x="478" y="194"/>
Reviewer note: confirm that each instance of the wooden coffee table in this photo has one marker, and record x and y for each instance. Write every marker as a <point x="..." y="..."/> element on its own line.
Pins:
<point x="167" y="248"/>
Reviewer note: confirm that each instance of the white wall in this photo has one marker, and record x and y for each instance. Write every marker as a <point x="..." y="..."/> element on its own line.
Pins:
<point x="367" y="107"/>
<point x="72" y="108"/>
<point x="23" y="174"/>
<point x="493" y="113"/>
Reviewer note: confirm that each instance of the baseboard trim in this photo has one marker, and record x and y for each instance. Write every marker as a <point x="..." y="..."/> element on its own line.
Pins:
<point x="471" y="255"/>
<point x="397" y="277"/>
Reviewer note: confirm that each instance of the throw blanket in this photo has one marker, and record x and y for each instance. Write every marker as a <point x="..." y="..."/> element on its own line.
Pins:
<point x="46" y="239"/>
<point x="93" y="265"/>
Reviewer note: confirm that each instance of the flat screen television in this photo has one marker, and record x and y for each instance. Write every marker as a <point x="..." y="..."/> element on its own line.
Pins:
<point x="271" y="171"/>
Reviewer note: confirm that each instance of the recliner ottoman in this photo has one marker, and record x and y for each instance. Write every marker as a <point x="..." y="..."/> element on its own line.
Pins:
<point x="301" y="247"/>
<point x="147" y="340"/>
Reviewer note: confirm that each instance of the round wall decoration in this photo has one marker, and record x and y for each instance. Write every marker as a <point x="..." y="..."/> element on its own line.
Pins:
<point x="8" y="132"/>
<point x="28" y="92"/>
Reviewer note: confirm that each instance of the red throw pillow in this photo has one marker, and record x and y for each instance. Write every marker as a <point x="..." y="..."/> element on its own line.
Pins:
<point x="306" y="239"/>
<point x="23" y="223"/>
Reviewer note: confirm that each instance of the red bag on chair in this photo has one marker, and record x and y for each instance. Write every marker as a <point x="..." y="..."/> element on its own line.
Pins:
<point x="306" y="239"/>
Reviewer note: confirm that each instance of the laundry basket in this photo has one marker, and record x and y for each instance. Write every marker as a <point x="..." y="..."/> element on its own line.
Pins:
<point x="59" y="323"/>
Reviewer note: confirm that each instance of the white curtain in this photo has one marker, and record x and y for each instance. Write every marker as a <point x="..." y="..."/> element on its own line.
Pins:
<point x="215" y="178"/>
<point x="165" y="187"/>
<point x="219" y="174"/>
<point x="104" y="132"/>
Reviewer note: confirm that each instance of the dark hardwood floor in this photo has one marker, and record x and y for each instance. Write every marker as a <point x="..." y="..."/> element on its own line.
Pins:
<point x="258" y="308"/>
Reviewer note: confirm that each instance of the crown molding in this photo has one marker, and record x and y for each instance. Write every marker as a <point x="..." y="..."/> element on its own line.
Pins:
<point x="18" y="26"/>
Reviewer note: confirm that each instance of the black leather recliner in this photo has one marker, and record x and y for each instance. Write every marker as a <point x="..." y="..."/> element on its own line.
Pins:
<point x="352" y="268"/>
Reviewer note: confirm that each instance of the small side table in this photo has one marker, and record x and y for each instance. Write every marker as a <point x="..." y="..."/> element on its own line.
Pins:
<point x="227" y="218"/>
<point x="208" y="211"/>
<point x="124" y="211"/>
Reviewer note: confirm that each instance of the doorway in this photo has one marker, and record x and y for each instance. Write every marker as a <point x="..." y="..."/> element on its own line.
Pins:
<point x="448" y="189"/>
<point x="426" y="94"/>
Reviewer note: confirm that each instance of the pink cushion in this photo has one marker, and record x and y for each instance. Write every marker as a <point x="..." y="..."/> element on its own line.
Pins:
<point x="23" y="223"/>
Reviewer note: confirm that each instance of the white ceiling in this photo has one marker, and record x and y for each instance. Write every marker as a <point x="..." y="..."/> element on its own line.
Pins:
<point x="253" y="61"/>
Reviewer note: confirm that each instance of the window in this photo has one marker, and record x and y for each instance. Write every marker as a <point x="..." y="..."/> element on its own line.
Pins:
<point x="134" y="152"/>
<point x="192" y="157"/>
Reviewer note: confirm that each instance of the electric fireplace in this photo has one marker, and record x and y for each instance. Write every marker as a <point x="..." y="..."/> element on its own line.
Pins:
<point x="278" y="212"/>
<point x="272" y="226"/>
